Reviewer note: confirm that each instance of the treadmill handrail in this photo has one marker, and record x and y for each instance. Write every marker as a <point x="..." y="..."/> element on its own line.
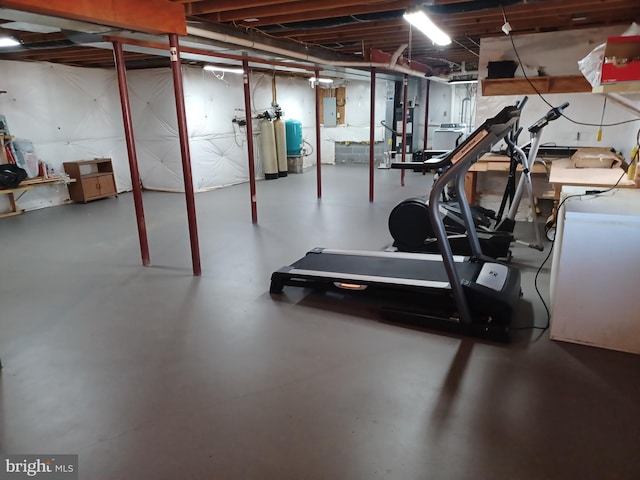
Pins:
<point x="462" y="158"/>
<point x="433" y="163"/>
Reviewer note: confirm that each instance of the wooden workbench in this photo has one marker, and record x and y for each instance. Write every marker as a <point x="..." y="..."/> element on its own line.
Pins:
<point x="491" y="162"/>
<point x="26" y="185"/>
<point x="563" y="173"/>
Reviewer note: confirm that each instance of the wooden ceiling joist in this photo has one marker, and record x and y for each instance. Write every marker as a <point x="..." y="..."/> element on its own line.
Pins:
<point x="149" y="16"/>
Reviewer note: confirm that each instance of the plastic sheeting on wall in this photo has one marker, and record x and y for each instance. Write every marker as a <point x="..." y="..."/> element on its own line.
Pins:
<point x="217" y="146"/>
<point x="73" y="113"/>
<point x="69" y="114"/>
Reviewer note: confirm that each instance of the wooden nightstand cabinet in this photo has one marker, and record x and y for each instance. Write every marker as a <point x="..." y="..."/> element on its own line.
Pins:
<point x="94" y="179"/>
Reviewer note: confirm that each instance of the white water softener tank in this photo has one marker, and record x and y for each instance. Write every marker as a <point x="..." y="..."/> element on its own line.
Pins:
<point x="268" y="149"/>
<point x="281" y="146"/>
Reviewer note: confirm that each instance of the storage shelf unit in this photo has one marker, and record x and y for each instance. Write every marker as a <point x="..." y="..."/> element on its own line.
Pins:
<point x="94" y="179"/>
<point x="521" y="86"/>
<point x="397" y="137"/>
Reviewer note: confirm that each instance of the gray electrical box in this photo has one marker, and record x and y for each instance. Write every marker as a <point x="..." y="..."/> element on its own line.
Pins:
<point x="329" y="109"/>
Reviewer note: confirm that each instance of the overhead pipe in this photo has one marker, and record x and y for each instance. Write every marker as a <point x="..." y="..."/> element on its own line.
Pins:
<point x="242" y="42"/>
<point x="202" y="51"/>
<point x="131" y="151"/>
<point x="397" y="53"/>
<point x="176" y="69"/>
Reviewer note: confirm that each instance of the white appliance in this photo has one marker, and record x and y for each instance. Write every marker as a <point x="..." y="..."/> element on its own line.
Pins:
<point x="448" y="136"/>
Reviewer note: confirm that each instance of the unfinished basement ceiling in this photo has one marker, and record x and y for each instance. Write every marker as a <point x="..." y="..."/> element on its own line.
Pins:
<point x="340" y="30"/>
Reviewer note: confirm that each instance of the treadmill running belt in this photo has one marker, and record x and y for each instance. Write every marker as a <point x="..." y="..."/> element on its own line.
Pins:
<point x="380" y="266"/>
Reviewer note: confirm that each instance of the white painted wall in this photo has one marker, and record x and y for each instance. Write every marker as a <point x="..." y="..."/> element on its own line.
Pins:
<point x="558" y="53"/>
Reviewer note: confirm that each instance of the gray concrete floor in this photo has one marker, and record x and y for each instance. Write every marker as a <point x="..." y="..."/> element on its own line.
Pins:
<point x="151" y="373"/>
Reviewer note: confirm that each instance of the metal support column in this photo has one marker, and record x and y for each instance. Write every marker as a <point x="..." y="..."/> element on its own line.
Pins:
<point x="318" y="139"/>
<point x="252" y="168"/>
<point x="405" y="95"/>
<point x="174" y="50"/>
<point x="372" y="132"/>
<point x="426" y="116"/>
<point x="131" y="151"/>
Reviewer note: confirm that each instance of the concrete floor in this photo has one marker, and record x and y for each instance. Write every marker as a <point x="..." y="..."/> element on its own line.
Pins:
<point x="151" y="373"/>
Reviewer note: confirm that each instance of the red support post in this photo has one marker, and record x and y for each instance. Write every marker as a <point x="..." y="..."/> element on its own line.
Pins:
<point x="252" y="168"/>
<point x="405" y="95"/>
<point x="131" y="151"/>
<point x="372" y="132"/>
<point x="174" y="50"/>
<point x="318" y="139"/>
<point x="426" y="116"/>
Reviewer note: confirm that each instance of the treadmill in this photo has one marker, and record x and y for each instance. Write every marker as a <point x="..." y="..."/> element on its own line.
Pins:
<point x="474" y="295"/>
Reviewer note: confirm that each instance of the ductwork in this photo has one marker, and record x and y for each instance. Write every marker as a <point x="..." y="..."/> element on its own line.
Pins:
<point x="335" y="22"/>
<point x="471" y="6"/>
<point x="254" y="45"/>
<point x="444" y="9"/>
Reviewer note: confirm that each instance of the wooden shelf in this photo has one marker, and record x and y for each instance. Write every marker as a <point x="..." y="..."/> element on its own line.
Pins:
<point x="620" y="87"/>
<point x="521" y="86"/>
<point x="24" y="186"/>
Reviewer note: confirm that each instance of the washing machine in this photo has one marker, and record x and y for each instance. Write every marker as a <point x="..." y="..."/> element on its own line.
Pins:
<point x="448" y="136"/>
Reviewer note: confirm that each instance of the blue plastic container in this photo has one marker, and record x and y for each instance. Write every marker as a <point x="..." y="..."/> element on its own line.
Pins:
<point x="294" y="138"/>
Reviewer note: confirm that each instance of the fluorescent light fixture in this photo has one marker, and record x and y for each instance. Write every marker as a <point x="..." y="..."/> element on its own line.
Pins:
<point x="30" y="27"/>
<point x="460" y="79"/>
<point x="321" y="80"/>
<point x="62" y="23"/>
<point x="8" y="42"/>
<point x="422" y="22"/>
<point x="214" y="68"/>
<point x="461" y="82"/>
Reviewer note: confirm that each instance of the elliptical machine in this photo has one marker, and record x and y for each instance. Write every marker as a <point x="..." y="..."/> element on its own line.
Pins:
<point x="411" y="228"/>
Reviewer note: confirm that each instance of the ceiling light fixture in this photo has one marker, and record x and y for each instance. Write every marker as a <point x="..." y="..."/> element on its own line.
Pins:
<point x="463" y="77"/>
<point x="30" y="27"/>
<point x="215" y="68"/>
<point x="8" y="42"/>
<point x="461" y="82"/>
<point x="422" y="22"/>
<point x="320" y="80"/>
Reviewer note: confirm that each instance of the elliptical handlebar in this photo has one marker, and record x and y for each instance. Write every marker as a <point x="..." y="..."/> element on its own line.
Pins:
<point x="551" y="115"/>
<point x="512" y="139"/>
<point x="522" y="102"/>
<point x="429" y="165"/>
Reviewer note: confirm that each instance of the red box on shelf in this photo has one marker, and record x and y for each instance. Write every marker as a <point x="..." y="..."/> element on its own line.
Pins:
<point x="621" y="61"/>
